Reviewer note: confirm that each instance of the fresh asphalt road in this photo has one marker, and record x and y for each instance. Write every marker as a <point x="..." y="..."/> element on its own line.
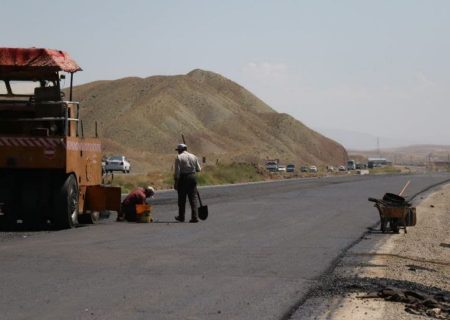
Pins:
<point x="263" y="246"/>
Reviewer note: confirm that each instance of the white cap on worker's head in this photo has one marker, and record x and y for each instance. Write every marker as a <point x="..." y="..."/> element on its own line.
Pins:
<point x="181" y="146"/>
<point x="150" y="190"/>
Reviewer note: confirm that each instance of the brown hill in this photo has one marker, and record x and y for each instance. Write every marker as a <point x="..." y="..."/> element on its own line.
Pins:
<point x="144" y="119"/>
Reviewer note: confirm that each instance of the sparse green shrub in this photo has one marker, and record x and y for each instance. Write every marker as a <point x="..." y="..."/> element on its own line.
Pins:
<point x="229" y="174"/>
<point x="385" y="170"/>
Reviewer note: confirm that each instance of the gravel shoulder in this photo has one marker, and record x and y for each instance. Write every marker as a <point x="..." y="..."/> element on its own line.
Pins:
<point x="377" y="277"/>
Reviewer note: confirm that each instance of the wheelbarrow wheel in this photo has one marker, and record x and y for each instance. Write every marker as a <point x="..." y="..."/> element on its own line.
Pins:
<point x="394" y="226"/>
<point x="383" y="225"/>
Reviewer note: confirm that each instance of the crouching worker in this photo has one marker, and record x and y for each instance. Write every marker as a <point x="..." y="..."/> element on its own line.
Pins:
<point x="128" y="206"/>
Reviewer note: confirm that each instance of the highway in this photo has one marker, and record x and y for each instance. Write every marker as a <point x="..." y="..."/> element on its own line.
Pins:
<point x="262" y="248"/>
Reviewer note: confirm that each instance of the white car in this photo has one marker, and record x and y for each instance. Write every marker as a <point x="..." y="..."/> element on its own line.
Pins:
<point x="117" y="163"/>
<point x="272" y="166"/>
<point x="281" y="168"/>
<point x="313" y="169"/>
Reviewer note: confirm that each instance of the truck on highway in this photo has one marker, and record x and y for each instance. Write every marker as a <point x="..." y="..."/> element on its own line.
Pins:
<point x="50" y="173"/>
<point x="351" y="165"/>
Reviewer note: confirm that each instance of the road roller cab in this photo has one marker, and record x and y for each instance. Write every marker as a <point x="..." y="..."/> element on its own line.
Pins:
<point x="50" y="173"/>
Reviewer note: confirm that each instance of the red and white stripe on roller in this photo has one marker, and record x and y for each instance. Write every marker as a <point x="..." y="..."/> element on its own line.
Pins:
<point x="84" y="146"/>
<point x="49" y="143"/>
<point x="30" y="142"/>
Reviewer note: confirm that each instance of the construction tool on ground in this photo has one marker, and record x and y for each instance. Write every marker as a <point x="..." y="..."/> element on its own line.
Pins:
<point x="50" y="173"/>
<point x="202" y="210"/>
<point x="395" y="212"/>
<point x="143" y="213"/>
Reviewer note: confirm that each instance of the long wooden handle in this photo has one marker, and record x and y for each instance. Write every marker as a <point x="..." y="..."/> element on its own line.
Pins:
<point x="404" y="188"/>
<point x="199" y="199"/>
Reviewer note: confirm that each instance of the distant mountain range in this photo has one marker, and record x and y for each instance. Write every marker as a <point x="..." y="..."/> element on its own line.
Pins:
<point x="396" y="150"/>
<point x="353" y="140"/>
<point x="221" y="121"/>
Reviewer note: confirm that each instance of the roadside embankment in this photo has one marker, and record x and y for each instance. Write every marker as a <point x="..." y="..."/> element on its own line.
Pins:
<point x="231" y="173"/>
<point x="392" y="276"/>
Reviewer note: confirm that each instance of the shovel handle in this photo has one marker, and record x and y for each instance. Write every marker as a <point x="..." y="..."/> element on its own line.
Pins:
<point x="198" y="194"/>
<point x="199" y="199"/>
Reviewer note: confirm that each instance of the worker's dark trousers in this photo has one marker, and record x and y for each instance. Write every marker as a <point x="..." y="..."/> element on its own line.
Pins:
<point x="187" y="186"/>
<point x="129" y="213"/>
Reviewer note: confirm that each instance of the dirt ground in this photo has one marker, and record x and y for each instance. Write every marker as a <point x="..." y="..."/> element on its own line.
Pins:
<point x="392" y="276"/>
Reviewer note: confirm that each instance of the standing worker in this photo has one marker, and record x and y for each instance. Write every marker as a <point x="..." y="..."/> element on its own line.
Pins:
<point x="128" y="206"/>
<point x="186" y="166"/>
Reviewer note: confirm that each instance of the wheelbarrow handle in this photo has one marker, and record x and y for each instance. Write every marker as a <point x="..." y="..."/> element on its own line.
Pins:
<point x="374" y="200"/>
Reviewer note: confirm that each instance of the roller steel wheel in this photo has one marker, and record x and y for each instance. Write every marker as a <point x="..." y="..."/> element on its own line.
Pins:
<point x="66" y="204"/>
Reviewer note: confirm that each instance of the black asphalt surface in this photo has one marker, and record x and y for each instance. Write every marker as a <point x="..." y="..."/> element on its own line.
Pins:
<point x="263" y="246"/>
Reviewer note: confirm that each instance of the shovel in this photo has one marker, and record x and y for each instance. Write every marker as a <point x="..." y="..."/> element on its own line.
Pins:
<point x="202" y="210"/>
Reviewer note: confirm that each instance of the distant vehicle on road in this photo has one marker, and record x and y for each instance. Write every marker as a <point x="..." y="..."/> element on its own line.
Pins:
<point x="313" y="169"/>
<point x="351" y="165"/>
<point x="117" y="163"/>
<point x="342" y="168"/>
<point x="304" y="169"/>
<point x="361" y="166"/>
<point x="290" y="168"/>
<point x="272" y="166"/>
<point x="281" y="168"/>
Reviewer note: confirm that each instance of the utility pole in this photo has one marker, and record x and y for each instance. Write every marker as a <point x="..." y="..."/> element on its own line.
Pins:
<point x="429" y="161"/>
<point x="378" y="147"/>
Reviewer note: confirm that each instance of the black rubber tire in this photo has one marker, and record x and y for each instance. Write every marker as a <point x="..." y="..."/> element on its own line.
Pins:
<point x="8" y="218"/>
<point x="8" y="222"/>
<point x="66" y="204"/>
<point x="394" y="226"/>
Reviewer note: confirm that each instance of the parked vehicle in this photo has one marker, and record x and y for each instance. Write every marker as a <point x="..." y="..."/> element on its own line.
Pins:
<point x="351" y="165"/>
<point x="304" y="169"/>
<point x="361" y="166"/>
<point x="272" y="166"/>
<point x="342" y="168"/>
<point x="290" y="168"/>
<point x="281" y="168"/>
<point x="117" y="163"/>
<point x="313" y="169"/>
<point x="50" y="173"/>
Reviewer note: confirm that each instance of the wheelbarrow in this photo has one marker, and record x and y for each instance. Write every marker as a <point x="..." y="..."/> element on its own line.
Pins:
<point x="395" y="213"/>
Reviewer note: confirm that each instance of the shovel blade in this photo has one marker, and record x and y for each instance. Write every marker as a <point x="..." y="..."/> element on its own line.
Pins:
<point x="203" y="212"/>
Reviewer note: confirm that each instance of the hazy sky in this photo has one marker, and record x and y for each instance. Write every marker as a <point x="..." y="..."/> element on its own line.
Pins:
<point x="376" y="67"/>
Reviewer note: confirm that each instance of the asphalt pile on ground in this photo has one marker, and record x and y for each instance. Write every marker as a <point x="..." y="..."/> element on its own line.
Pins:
<point x="416" y="302"/>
